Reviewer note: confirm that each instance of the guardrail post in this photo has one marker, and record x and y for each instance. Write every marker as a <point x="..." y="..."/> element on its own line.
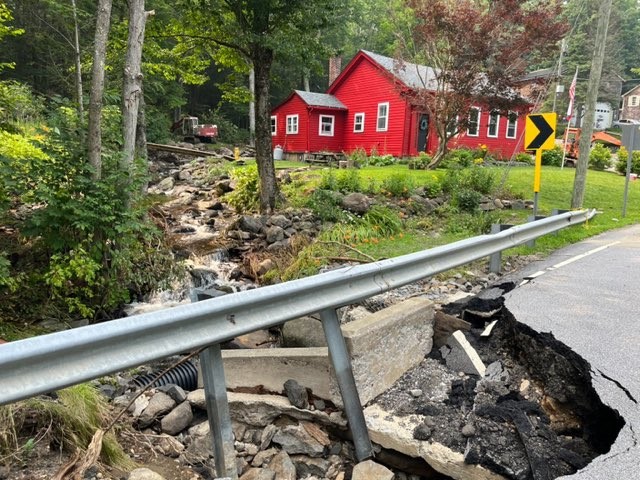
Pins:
<point x="495" y="260"/>
<point x="215" y="393"/>
<point x="558" y="211"/>
<point x="533" y="218"/>
<point x="344" y="374"/>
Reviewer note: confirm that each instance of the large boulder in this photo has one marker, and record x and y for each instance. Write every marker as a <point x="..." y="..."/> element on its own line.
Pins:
<point x="356" y="203"/>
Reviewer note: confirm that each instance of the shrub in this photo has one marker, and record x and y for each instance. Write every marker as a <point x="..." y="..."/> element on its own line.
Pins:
<point x="476" y="178"/>
<point x="381" y="161"/>
<point x="553" y="157"/>
<point x="472" y="224"/>
<point x="599" y="157"/>
<point x="524" y="157"/>
<point x="421" y="162"/>
<point x="344" y="181"/>
<point x="326" y="205"/>
<point x="621" y="164"/>
<point x="467" y="200"/>
<point x="459" y="158"/>
<point x="397" y="185"/>
<point x="432" y="187"/>
<point x="358" y="157"/>
<point x="246" y="196"/>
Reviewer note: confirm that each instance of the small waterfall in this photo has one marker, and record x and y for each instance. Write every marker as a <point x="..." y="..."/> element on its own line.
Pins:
<point x="212" y="272"/>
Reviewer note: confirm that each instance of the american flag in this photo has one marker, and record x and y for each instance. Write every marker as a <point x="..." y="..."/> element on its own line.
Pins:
<point x="572" y="96"/>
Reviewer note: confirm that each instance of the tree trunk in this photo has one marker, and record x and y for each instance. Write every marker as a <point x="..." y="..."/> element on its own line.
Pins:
<point x="141" y="144"/>
<point x="582" y="165"/>
<point x="132" y="89"/>
<point x="76" y="36"/>
<point x="252" y="108"/>
<point x="94" y="140"/>
<point x="262" y="58"/>
<point x="441" y="151"/>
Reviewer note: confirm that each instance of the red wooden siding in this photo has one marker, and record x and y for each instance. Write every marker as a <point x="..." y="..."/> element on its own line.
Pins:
<point x="321" y="143"/>
<point x="361" y="91"/>
<point x="292" y="142"/>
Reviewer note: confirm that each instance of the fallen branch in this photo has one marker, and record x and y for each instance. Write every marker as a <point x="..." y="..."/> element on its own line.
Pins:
<point x="348" y="247"/>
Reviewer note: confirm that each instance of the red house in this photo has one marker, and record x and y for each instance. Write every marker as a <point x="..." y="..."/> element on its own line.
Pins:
<point x="363" y="108"/>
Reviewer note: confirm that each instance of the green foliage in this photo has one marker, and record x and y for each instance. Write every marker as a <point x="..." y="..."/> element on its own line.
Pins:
<point x="471" y="224"/>
<point x="246" y="196"/>
<point x="228" y="132"/>
<point x="344" y="181"/>
<point x="381" y="160"/>
<point x="466" y="200"/>
<point x="458" y="158"/>
<point x="553" y="157"/>
<point x="326" y="205"/>
<point x="17" y="104"/>
<point x="599" y="157"/>
<point x="358" y="157"/>
<point x="7" y="30"/>
<point x="621" y="164"/>
<point x="421" y="162"/>
<point x="476" y="178"/>
<point x="70" y="421"/>
<point x="399" y="185"/>
<point x="432" y="187"/>
<point x="523" y="157"/>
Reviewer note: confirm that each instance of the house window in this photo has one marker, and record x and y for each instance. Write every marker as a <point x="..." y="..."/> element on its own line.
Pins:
<point x="274" y="125"/>
<point x="474" y="122"/>
<point x="358" y="123"/>
<point x="512" y="125"/>
<point x="326" y="125"/>
<point x="383" y="117"/>
<point x="494" y="123"/>
<point x="292" y="124"/>
<point x="633" y="101"/>
<point x="452" y="127"/>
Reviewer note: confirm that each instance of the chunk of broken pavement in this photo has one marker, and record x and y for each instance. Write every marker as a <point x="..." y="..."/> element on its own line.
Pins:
<point x="296" y="394"/>
<point x="460" y="356"/>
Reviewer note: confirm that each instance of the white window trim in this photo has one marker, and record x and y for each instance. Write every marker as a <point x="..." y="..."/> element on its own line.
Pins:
<point x="633" y="101"/>
<point x="497" y="124"/>
<point x="274" y="125"/>
<point x="515" y="126"/>
<point x="291" y="131"/>
<point x="386" y="118"/>
<point x="355" y="123"/>
<point x="477" y="134"/>
<point x="333" y="122"/>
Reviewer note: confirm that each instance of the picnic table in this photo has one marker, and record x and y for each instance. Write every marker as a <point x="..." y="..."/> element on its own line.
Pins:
<point x="323" y="158"/>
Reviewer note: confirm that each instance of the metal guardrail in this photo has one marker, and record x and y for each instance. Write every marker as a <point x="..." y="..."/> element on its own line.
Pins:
<point x="50" y="362"/>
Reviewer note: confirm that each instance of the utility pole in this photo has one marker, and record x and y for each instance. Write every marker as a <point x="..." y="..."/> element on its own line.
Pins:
<point x="580" y="179"/>
<point x="559" y="87"/>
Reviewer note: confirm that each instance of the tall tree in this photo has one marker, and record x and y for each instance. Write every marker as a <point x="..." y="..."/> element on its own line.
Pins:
<point x="257" y="31"/>
<point x="479" y="52"/>
<point x="7" y="30"/>
<point x="94" y="138"/>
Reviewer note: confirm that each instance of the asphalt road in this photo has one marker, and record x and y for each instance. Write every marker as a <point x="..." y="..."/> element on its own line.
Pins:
<point x="588" y="296"/>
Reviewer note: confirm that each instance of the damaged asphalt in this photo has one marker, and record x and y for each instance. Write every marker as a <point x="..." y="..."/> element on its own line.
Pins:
<point x="588" y="296"/>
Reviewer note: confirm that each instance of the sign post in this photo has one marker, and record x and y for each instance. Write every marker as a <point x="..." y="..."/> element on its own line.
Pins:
<point x="539" y="134"/>
<point x="631" y="141"/>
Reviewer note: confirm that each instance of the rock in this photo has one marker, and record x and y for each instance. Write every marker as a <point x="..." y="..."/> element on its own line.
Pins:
<point x="303" y="332"/>
<point x="263" y="457"/>
<point x="356" y="203"/>
<point x="174" y="391"/>
<point x="460" y="356"/>
<point x="369" y="470"/>
<point x="415" y="393"/>
<point x="179" y="419"/>
<point x="203" y="277"/>
<point x="283" y="467"/>
<point x="468" y="430"/>
<point x="496" y="372"/>
<point x="296" y="394"/>
<point x="498" y="203"/>
<point x="159" y="404"/>
<point x="267" y="436"/>
<point x="167" y="184"/>
<point x="222" y="187"/>
<point x="296" y="439"/>
<point x="259" y="474"/>
<point x="169" y="446"/>
<point x="310" y="467"/>
<point x="144" y="474"/>
<point x="251" y="224"/>
<point x="264" y="266"/>
<point x="280" y="221"/>
<point x="274" y="234"/>
<point x="319" y="404"/>
<point x="138" y="406"/>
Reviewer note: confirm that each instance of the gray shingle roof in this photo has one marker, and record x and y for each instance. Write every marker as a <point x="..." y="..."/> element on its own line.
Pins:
<point x="321" y="100"/>
<point x="412" y="75"/>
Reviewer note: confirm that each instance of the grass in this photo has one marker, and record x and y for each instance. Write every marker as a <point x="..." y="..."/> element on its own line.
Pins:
<point x="604" y="192"/>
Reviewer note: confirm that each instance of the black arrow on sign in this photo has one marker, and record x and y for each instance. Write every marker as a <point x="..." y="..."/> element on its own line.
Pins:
<point x="545" y="131"/>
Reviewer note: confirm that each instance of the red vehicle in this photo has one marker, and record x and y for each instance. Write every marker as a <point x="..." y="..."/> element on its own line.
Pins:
<point x="192" y="131"/>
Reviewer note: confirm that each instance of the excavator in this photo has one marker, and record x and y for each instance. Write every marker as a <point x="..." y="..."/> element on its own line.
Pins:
<point x="194" y="132"/>
<point x="573" y="139"/>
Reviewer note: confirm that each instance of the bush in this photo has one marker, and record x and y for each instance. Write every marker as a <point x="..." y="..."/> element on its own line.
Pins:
<point x="459" y="158"/>
<point x="599" y="157"/>
<point x="476" y="178"/>
<point x="326" y="205"/>
<point x="421" y="162"/>
<point x="467" y="200"/>
<point x="432" y="187"/>
<point x="381" y="161"/>
<point x="228" y="132"/>
<point x="246" y="196"/>
<point x="358" y="157"/>
<point x="621" y="164"/>
<point x="524" y="157"/>
<point x="552" y="158"/>
<point x="344" y="181"/>
<point x="397" y="185"/>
